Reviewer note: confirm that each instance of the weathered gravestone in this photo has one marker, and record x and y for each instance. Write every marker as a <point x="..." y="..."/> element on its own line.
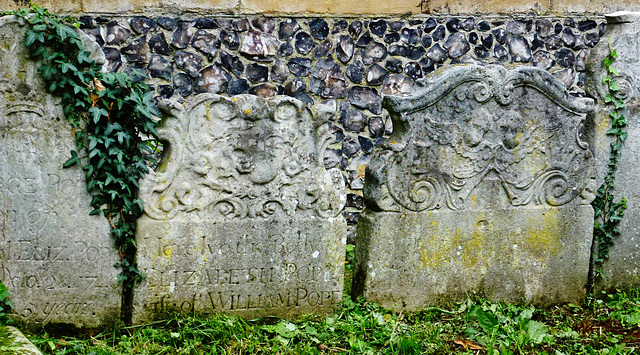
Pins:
<point x="241" y="216"/>
<point x="484" y="188"/>
<point x="57" y="261"/>
<point x="622" y="270"/>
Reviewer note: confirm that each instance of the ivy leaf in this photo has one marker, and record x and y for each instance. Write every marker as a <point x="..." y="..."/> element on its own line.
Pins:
<point x="72" y="161"/>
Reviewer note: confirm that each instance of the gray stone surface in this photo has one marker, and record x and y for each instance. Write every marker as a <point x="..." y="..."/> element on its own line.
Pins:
<point x="622" y="270"/>
<point x="484" y="187"/>
<point x="18" y="344"/>
<point x="241" y="216"/>
<point x="57" y="261"/>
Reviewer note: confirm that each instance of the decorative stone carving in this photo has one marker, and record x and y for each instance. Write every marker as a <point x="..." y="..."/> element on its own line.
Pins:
<point x="56" y="260"/>
<point x="483" y="187"/>
<point x="241" y="216"/>
<point x="622" y="270"/>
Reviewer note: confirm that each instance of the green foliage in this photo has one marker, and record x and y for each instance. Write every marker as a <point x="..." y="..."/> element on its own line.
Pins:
<point x="608" y="212"/>
<point x="112" y="116"/>
<point x="5" y="304"/>
<point x="470" y="327"/>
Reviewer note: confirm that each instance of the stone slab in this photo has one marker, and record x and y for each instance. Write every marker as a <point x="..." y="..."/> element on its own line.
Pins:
<point x="15" y="343"/>
<point x="622" y="270"/>
<point x="416" y="259"/>
<point x="484" y="187"/>
<point x="241" y="216"/>
<point x="57" y="261"/>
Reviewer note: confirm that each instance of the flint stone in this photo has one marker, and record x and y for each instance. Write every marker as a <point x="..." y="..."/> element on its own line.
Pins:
<point x="57" y="260"/>
<point x="306" y="99"/>
<point x="364" y="40"/>
<point x="263" y="24"/>
<point x="137" y="51"/>
<point x="230" y="39"/>
<point x="484" y="26"/>
<point x="339" y="26"/>
<point x="519" y="49"/>
<point x="96" y="34"/>
<point x="544" y="28"/>
<point x="304" y="43"/>
<point x="437" y="54"/>
<point x="142" y="25"/>
<point x="158" y="44"/>
<point x="113" y="59"/>
<point x="204" y="23"/>
<point x="413" y="70"/>
<point x="397" y="84"/>
<point x="394" y="65"/>
<point x="323" y="49"/>
<point x="287" y="29"/>
<point x="238" y="87"/>
<point x="191" y="63"/>
<point x="327" y="80"/>
<point x="429" y="25"/>
<point x="355" y="72"/>
<point x="350" y="147"/>
<point x="232" y="63"/>
<point x="487" y="40"/>
<point x="353" y="120"/>
<point x="345" y="48"/>
<point x="259" y="46"/>
<point x="160" y="67"/>
<point x="206" y="43"/>
<point x="457" y="45"/>
<point x="213" y="79"/>
<point x="183" y="83"/>
<point x="243" y="213"/>
<point x="393" y="37"/>
<point x="376" y="74"/>
<point x="378" y="27"/>
<point x="299" y="66"/>
<point x="181" y="35"/>
<point x="542" y="60"/>
<point x="266" y="90"/>
<point x="468" y="24"/>
<point x="285" y="50"/>
<point x="376" y="126"/>
<point x="438" y="34"/>
<point x="366" y="98"/>
<point x="453" y="25"/>
<point x="319" y="28"/>
<point x="116" y="34"/>
<point x="455" y="222"/>
<point x="355" y="28"/>
<point x="410" y="36"/>
<point x="501" y="53"/>
<point x="257" y="73"/>
<point x="167" y="23"/>
<point x="279" y="72"/>
<point x="295" y="87"/>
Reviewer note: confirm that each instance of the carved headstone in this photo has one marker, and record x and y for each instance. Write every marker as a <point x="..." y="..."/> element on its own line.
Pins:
<point x="483" y="188"/>
<point x="622" y="270"/>
<point x="57" y="261"/>
<point x="241" y="216"/>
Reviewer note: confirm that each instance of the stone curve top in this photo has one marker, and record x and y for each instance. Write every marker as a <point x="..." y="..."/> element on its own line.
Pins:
<point x="437" y="85"/>
<point x="308" y="138"/>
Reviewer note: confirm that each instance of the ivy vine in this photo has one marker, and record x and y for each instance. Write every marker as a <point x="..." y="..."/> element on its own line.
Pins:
<point x="608" y="212"/>
<point x="114" y="120"/>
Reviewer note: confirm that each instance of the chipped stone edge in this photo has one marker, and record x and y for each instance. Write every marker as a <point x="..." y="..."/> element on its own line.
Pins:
<point x="434" y="87"/>
<point x="22" y="344"/>
<point x="89" y="45"/>
<point x="622" y="17"/>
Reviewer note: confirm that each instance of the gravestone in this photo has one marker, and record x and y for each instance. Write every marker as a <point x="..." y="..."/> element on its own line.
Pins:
<point x="241" y="216"/>
<point x="622" y="270"/>
<point x="483" y="189"/>
<point x="57" y="261"/>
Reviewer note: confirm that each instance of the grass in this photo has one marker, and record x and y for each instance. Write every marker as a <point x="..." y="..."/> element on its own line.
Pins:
<point x="610" y="325"/>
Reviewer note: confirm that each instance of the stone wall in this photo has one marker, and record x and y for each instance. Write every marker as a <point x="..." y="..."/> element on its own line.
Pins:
<point x="329" y="7"/>
<point x="336" y="69"/>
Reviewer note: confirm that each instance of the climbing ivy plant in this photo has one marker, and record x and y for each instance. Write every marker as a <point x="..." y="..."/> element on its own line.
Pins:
<point x="608" y="212"/>
<point x="114" y="120"/>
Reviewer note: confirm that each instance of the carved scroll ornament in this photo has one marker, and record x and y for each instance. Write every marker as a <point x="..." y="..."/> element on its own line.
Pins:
<point x="470" y="124"/>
